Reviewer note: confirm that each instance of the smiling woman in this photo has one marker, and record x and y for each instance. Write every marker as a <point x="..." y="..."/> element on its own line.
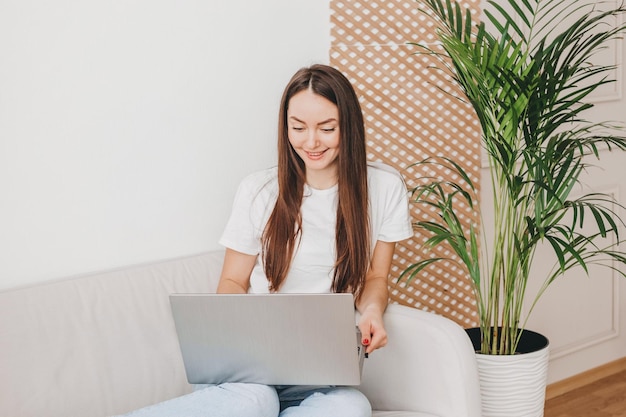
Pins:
<point x="322" y="221"/>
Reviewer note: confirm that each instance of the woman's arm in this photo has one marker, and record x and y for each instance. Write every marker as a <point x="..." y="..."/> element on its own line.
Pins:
<point x="235" y="277"/>
<point x="373" y="301"/>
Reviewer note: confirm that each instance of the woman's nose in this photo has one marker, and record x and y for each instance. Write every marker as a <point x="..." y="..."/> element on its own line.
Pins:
<point x="312" y="140"/>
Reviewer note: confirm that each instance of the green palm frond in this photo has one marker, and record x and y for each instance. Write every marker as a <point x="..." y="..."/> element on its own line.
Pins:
<point x="528" y="79"/>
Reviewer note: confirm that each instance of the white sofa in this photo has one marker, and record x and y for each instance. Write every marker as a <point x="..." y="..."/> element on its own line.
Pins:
<point x="103" y="344"/>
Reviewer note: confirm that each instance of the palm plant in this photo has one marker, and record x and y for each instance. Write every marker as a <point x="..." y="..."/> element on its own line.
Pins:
<point x="529" y="85"/>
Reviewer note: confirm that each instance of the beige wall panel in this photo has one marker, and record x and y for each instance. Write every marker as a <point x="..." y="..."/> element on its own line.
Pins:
<point x="409" y="117"/>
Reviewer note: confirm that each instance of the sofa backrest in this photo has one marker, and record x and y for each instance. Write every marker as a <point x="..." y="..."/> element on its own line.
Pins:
<point x="98" y="344"/>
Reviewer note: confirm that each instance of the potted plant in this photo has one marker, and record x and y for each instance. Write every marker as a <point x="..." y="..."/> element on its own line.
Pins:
<point x="528" y="81"/>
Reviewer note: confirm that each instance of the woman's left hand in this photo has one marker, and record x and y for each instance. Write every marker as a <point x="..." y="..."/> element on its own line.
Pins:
<point x="373" y="333"/>
<point x="373" y="300"/>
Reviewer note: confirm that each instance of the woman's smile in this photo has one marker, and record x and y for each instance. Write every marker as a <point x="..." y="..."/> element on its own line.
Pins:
<point x="315" y="155"/>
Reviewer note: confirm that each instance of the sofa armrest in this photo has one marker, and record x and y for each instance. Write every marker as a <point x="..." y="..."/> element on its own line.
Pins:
<point x="428" y="366"/>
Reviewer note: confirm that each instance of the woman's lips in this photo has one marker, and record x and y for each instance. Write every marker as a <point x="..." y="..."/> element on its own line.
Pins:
<point x="315" y="155"/>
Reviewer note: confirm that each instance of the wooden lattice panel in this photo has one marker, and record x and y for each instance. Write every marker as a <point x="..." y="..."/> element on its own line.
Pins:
<point x="409" y="118"/>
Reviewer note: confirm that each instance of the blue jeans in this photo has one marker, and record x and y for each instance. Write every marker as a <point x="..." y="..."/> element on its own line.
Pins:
<point x="254" y="400"/>
<point x="303" y="401"/>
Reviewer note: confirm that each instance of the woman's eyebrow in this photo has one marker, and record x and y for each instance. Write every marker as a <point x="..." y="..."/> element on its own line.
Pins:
<point x="294" y="118"/>
<point x="331" y="120"/>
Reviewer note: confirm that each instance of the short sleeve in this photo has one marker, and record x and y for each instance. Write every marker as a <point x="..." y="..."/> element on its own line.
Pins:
<point x="252" y="205"/>
<point x="389" y="204"/>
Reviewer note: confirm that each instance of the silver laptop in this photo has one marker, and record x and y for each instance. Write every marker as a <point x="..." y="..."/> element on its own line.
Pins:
<point x="273" y="339"/>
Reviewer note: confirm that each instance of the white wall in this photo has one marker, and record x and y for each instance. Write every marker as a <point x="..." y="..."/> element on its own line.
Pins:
<point x="125" y="126"/>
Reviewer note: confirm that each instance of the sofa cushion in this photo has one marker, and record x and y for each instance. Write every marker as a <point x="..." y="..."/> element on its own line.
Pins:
<point x="77" y="347"/>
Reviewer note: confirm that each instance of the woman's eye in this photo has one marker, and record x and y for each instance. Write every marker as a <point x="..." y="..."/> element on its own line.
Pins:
<point x="297" y="128"/>
<point x="328" y="129"/>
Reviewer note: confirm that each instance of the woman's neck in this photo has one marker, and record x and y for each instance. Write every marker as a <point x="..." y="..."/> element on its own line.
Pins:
<point x="321" y="180"/>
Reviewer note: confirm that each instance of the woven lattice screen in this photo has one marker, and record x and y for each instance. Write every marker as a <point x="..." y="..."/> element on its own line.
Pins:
<point x="408" y="118"/>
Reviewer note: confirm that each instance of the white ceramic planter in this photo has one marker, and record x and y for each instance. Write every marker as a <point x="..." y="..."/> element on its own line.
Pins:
<point x="514" y="385"/>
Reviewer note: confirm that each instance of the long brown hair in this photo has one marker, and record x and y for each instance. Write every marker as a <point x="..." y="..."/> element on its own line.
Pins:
<point x="352" y="232"/>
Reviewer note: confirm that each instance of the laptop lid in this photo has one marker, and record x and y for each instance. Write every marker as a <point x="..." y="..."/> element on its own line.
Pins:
<point x="273" y="339"/>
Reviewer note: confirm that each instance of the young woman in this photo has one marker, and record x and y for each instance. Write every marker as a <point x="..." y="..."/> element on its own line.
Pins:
<point x="324" y="220"/>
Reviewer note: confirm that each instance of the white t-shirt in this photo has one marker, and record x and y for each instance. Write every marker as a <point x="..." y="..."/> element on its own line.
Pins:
<point x="312" y="266"/>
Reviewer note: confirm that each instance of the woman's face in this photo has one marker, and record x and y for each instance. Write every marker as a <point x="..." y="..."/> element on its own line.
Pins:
<point x="313" y="130"/>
